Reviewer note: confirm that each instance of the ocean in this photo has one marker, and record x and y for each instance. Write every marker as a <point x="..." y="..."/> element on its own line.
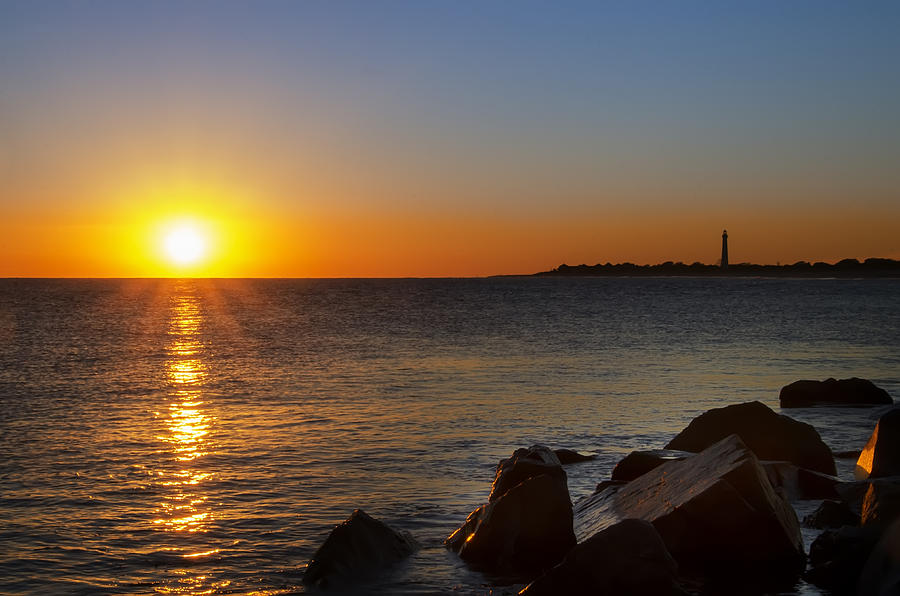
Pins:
<point x="203" y="436"/>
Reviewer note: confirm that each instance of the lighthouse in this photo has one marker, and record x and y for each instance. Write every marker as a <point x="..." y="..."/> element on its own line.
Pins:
<point x="724" y="263"/>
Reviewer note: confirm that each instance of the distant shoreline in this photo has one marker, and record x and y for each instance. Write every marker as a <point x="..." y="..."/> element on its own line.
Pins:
<point x="846" y="268"/>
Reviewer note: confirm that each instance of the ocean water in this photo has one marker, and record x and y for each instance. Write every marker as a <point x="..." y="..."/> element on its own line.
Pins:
<point x="203" y="436"/>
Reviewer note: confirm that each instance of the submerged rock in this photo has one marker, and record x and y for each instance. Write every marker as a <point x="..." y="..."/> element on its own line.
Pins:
<point x="769" y="435"/>
<point x="568" y="456"/>
<point x="716" y="512"/>
<point x="359" y="547"/>
<point x="627" y="558"/>
<point x="831" y="392"/>
<point x="524" y="464"/>
<point x="881" y="455"/>
<point x="638" y="463"/>
<point x="523" y="532"/>
<point x="831" y="514"/>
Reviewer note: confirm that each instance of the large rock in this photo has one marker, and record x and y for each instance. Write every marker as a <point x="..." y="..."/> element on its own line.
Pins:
<point x="881" y="455"/>
<point x="771" y="436"/>
<point x="831" y="392"/>
<point x="717" y="512"/>
<point x="881" y="574"/>
<point x="357" y="548"/>
<point x="638" y="463"/>
<point x="524" y="464"/>
<point x="627" y="558"/>
<point x="837" y="557"/>
<point x="522" y="533"/>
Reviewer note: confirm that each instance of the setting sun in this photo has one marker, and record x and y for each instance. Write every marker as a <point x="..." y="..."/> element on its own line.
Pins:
<point x="185" y="244"/>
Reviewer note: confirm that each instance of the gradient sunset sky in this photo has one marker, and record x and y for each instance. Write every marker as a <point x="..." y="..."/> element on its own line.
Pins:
<point x="345" y="139"/>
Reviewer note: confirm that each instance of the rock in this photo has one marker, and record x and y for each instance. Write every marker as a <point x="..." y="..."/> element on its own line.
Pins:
<point x="831" y="392"/>
<point x="524" y="464"/>
<point x="769" y="435"/>
<point x="525" y="531"/>
<point x="716" y="511"/>
<point x="604" y="484"/>
<point x="881" y="455"/>
<point x="849" y="454"/>
<point x="358" y="547"/>
<point x="626" y="558"/>
<point x="638" y="463"/>
<point x="799" y="484"/>
<point x="837" y="557"/>
<point x="853" y="494"/>
<point x="881" y="504"/>
<point x="881" y="574"/>
<point x="567" y="456"/>
<point x="831" y="514"/>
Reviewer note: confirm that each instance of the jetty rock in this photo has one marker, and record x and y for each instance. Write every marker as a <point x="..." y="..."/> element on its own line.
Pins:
<point x="881" y="455"/>
<point x="526" y="527"/>
<point x="881" y="574"/>
<point x="833" y="392"/>
<point x="716" y="512"/>
<point x="359" y="547"/>
<point x="626" y="558"/>
<point x="638" y="463"/>
<point x="881" y="503"/>
<point x="837" y="558"/>
<point x="524" y="464"/>
<point x="799" y="484"/>
<point x="769" y="435"/>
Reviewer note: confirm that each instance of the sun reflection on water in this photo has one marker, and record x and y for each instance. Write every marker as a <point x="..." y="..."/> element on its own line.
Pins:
<point x="185" y="509"/>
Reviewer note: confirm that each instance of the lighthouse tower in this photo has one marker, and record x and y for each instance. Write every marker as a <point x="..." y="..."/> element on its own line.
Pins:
<point x="724" y="263"/>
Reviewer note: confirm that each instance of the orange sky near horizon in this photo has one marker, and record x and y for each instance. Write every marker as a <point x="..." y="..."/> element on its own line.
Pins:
<point x="443" y="139"/>
<point x="427" y="245"/>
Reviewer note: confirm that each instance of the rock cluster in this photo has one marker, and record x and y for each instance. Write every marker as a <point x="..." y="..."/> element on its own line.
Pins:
<point x="710" y="511"/>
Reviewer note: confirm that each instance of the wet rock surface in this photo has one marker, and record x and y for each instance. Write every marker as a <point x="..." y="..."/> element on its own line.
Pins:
<point x="526" y="526"/>
<point x="881" y="503"/>
<point x="358" y="548"/>
<point x="569" y="456"/>
<point x="832" y="392"/>
<point x="716" y="512"/>
<point x="524" y="464"/>
<point x="769" y="435"/>
<point x="626" y="558"/>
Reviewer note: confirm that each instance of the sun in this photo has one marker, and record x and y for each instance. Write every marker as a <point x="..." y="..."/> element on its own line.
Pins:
<point x="185" y="244"/>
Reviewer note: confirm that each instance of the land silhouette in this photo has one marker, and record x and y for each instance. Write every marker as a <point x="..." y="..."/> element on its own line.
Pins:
<point x="872" y="267"/>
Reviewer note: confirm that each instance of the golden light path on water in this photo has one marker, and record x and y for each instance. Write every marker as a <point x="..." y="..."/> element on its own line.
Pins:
<point x="185" y="508"/>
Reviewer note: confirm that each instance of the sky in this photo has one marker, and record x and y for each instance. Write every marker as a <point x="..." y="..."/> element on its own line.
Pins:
<point x="423" y="138"/>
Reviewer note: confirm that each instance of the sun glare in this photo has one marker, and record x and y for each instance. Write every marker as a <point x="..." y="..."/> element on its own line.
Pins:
<point x="185" y="244"/>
